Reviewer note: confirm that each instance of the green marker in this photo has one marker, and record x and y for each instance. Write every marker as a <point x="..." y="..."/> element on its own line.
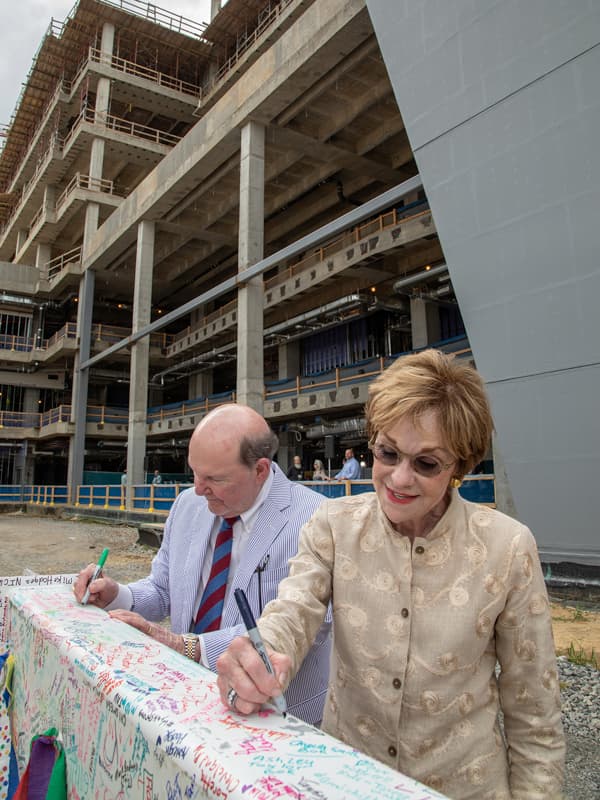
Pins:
<point x="96" y="574"/>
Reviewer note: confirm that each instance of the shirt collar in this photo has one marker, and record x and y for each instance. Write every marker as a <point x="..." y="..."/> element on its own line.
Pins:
<point x="249" y="515"/>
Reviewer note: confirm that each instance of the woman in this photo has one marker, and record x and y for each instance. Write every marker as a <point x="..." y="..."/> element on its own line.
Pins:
<point x="429" y="592"/>
<point x="319" y="473"/>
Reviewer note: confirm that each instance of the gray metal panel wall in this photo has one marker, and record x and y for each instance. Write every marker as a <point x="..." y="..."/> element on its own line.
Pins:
<point x="501" y="103"/>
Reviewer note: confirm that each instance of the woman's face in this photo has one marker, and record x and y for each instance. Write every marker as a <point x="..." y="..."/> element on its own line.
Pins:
<point x="412" y="502"/>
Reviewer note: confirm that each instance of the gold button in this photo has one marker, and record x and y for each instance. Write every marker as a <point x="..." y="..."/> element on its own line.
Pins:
<point x="392" y="751"/>
<point x="404" y="612"/>
<point x="397" y="683"/>
<point x="419" y="549"/>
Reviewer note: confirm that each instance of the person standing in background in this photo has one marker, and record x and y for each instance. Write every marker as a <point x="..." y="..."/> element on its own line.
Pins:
<point x="351" y="469"/>
<point x="295" y="472"/>
<point x="319" y="473"/>
<point x="157" y="479"/>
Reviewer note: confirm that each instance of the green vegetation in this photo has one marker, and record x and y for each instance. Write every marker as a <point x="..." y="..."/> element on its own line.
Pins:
<point x="579" y="656"/>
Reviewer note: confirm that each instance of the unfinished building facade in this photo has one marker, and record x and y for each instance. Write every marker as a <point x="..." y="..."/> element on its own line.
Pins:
<point x="165" y="186"/>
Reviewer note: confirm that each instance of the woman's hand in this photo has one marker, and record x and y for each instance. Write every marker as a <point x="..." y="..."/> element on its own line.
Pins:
<point x="102" y="591"/>
<point x="158" y="632"/>
<point x="241" y="669"/>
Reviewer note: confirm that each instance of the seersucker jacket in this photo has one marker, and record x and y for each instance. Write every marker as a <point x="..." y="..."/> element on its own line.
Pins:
<point x="419" y="629"/>
<point x="172" y="586"/>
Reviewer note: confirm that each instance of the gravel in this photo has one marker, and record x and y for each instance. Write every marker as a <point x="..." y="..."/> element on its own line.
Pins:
<point x="580" y="691"/>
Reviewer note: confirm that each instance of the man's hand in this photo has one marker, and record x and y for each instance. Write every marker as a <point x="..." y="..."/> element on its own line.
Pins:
<point x="102" y="591"/>
<point x="240" y="668"/>
<point x="158" y="632"/>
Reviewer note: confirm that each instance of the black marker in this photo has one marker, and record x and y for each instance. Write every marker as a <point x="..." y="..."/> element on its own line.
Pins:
<point x="257" y="642"/>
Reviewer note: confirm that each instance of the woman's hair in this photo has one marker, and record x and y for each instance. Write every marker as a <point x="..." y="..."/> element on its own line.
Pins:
<point x="318" y="464"/>
<point x="435" y="381"/>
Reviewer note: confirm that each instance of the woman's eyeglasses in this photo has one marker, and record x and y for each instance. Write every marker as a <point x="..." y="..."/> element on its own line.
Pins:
<point x="424" y="465"/>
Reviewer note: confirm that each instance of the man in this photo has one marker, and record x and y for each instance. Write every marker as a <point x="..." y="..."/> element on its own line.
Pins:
<point x="157" y="479"/>
<point x="235" y="479"/>
<point x="351" y="469"/>
<point x="295" y="472"/>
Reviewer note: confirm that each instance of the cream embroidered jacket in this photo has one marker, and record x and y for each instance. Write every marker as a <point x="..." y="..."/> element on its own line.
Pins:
<point x="418" y="630"/>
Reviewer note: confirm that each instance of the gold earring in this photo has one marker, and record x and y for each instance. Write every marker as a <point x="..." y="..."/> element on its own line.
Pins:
<point x="455" y="483"/>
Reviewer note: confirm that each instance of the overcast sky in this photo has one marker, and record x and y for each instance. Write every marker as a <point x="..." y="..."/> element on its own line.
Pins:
<point x="24" y="25"/>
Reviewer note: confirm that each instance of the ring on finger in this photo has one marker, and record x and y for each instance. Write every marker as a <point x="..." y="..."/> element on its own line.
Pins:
<point x="232" y="696"/>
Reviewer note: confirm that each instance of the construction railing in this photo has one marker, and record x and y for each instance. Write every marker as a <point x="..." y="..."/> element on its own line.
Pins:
<point x="100" y="333"/>
<point x="56" y="265"/>
<point x="389" y="219"/>
<point x="245" y="41"/>
<point x="147" y="498"/>
<point x="140" y="71"/>
<point x="35" y="495"/>
<point x="300" y="385"/>
<point x="187" y="408"/>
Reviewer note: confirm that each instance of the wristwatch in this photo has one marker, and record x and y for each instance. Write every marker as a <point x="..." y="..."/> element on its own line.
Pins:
<point x="189" y="645"/>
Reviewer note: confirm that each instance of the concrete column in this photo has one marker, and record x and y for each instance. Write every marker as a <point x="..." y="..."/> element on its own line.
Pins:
<point x="289" y="360"/>
<point x="140" y="354"/>
<point x="96" y="159"/>
<point x="250" y="364"/>
<point x="24" y="467"/>
<point x="425" y="322"/>
<point x="102" y="103"/>
<point x="49" y="202"/>
<point x="200" y="384"/>
<point x="79" y="394"/>
<point x="31" y="396"/>
<point x="288" y="448"/>
<point x="80" y="382"/>
<point x="43" y="254"/>
<point x="79" y="397"/>
<point x="21" y="239"/>
<point x="107" y="45"/>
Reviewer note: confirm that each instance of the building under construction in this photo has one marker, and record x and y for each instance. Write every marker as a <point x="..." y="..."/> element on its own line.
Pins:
<point x="193" y="213"/>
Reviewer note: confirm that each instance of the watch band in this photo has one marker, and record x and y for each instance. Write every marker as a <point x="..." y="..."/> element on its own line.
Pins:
<point x="189" y="645"/>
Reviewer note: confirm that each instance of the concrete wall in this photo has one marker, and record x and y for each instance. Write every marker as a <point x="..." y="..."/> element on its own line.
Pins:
<point x="501" y="102"/>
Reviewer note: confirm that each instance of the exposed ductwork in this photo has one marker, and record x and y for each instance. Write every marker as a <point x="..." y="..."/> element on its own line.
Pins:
<point x="290" y="329"/>
<point x="355" y="425"/>
<point x="419" y="277"/>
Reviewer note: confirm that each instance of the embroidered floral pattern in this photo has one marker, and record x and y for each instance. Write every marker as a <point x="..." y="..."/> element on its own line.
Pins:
<point x="416" y="642"/>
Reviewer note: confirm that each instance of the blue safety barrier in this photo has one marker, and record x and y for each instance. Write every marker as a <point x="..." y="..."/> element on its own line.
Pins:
<point x="159" y="499"/>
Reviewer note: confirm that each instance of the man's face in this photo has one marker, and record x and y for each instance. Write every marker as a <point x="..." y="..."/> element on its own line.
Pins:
<point x="347" y="455"/>
<point x="229" y="487"/>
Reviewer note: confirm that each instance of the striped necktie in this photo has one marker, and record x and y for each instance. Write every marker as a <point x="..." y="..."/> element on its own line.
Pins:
<point x="209" y="613"/>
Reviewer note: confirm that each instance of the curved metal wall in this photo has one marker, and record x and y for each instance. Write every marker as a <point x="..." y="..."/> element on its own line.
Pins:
<point x="501" y="103"/>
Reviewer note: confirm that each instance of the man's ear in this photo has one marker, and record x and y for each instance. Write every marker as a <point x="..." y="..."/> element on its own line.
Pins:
<point x="263" y="467"/>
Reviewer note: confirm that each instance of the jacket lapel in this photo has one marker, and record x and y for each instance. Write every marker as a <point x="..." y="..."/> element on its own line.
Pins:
<point x="270" y="520"/>
<point x="196" y="543"/>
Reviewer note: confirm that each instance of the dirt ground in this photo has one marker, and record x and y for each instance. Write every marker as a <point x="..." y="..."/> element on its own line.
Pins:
<point x="48" y="545"/>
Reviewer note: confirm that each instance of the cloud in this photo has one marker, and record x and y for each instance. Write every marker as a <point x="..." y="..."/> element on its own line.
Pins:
<point x="27" y="22"/>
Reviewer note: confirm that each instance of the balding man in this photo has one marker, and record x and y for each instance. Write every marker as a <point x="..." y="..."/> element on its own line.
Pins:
<point x="243" y="506"/>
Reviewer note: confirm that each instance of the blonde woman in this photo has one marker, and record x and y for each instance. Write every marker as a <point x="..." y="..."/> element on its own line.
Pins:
<point x="319" y="473"/>
<point x="430" y="594"/>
